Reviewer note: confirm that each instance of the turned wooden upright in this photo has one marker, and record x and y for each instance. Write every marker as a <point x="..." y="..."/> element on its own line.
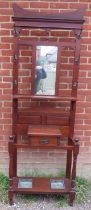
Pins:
<point x="45" y="126"/>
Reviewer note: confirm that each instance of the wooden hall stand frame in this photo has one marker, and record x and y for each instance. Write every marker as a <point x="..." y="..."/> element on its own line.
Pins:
<point x="45" y="126"/>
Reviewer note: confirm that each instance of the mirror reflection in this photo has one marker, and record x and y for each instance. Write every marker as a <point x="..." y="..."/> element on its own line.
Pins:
<point x="45" y="73"/>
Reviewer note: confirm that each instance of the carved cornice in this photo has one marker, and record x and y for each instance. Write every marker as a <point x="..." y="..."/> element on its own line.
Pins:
<point x="28" y="18"/>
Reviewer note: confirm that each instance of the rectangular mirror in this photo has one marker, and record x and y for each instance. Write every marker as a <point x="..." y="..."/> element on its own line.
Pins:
<point x="45" y="72"/>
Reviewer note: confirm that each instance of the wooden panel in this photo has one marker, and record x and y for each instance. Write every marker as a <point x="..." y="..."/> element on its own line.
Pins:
<point x="39" y="109"/>
<point x="29" y="119"/>
<point x="20" y="129"/>
<point x="38" y="120"/>
<point x="50" y="116"/>
<point x="44" y="130"/>
<point x="55" y="120"/>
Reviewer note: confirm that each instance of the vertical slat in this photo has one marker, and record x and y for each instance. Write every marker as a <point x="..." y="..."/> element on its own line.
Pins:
<point x="15" y="64"/>
<point x="57" y="70"/>
<point x="73" y="103"/>
<point x="15" y="91"/>
<point x="33" y="70"/>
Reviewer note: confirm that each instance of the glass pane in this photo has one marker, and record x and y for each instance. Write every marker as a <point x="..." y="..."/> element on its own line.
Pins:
<point x="45" y="74"/>
<point x="25" y="183"/>
<point x="57" y="184"/>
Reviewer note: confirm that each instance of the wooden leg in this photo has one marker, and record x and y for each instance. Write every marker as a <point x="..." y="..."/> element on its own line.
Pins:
<point x="15" y="158"/>
<point x="73" y="182"/>
<point x="10" y="196"/>
<point x="69" y="162"/>
<point x="12" y="158"/>
<point x="71" y="198"/>
<point x="10" y="192"/>
<point x="12" y="171"/>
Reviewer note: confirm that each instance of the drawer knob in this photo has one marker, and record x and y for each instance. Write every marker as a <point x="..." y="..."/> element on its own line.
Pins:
<point x="43" y="141"/>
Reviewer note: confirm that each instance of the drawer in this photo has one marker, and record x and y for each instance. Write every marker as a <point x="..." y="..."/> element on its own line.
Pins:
<point x="43" y="141"/>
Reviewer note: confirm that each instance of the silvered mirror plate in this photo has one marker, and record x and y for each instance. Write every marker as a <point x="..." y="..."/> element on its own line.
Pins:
<point x="25" y="183"/>
<point x="57" y="184"/>
<point x="45" y="73"/>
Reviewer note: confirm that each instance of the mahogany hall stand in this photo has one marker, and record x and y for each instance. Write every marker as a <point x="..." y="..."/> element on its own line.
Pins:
<point x="45" y="126"/>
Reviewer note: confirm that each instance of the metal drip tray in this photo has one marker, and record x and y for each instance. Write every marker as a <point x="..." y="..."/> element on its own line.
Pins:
<point x="25" y="183"/>
<point x="57" y="184"/>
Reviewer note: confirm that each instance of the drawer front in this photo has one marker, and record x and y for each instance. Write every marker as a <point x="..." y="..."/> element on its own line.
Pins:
<point x="43" y="141"/>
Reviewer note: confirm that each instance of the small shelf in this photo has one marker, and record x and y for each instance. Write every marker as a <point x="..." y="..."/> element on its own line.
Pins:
<point x="41" y="185"/>
<point x="40" y="97"/>
<point x="48" y="147"/>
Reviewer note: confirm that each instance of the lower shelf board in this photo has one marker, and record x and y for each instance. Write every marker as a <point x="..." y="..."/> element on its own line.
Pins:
<point x="40" y="185"/>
